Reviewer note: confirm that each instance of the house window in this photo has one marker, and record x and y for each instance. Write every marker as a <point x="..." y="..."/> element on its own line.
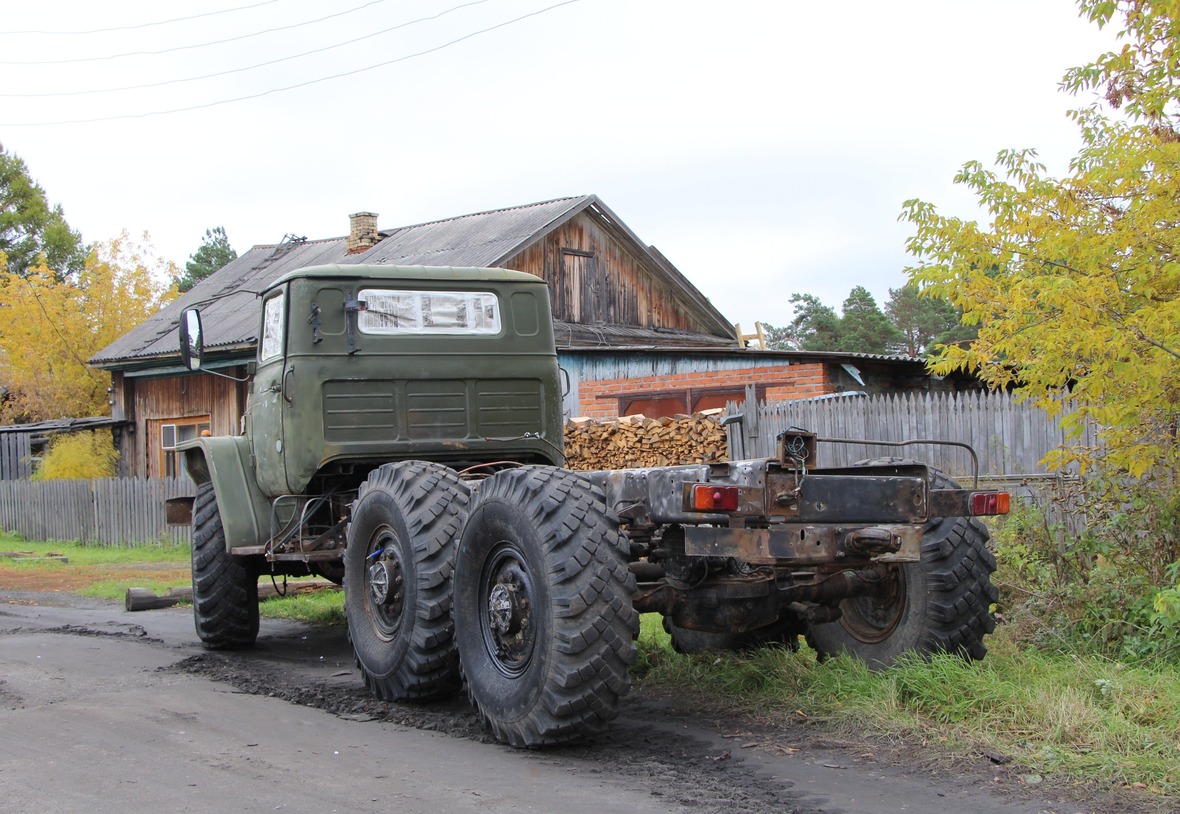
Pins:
<point x="682" y="402"/>
<point x="655" y="407"/>
<point x="173" y="433"/>
<point x="581" y="290"/>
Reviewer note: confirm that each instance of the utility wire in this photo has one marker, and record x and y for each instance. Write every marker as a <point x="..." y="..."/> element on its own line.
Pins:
<point x="140" y="25"/>
<point x="238" y="70"/>
<point x="53" y="323"/>
<point x="295" y="86"/>
<point x="192" y="47"/>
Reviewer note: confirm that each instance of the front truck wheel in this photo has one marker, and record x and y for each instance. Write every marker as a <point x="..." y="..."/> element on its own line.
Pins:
<point x="941" y="604"/>
<point x="543" y="614"/>
<point x="225" y="587"/>
<point x="397" y="579"/>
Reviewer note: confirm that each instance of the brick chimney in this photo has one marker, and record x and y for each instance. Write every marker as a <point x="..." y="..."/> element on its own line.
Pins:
<point x="362" y="232"/>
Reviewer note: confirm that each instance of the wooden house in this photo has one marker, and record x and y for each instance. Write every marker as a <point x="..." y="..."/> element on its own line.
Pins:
<point x="606" y="286"/>
<point x="632" y="333"/>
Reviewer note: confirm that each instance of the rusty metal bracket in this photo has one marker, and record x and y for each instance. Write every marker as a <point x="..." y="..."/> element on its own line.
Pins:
<point x="802" y="544"/>
<point x="913" y="442"/>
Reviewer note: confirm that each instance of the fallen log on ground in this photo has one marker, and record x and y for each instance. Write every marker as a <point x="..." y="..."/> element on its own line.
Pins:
<point x="141" y="599"/>
<point x="29" y="556"/>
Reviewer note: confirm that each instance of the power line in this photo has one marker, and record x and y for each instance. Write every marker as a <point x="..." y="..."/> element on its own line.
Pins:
<point x="192" y="47"/>
<point x="295" y="86"/>
<point x="53" y="323"/>
<point x="140" y="25"/>
<point x="239" y="70"/>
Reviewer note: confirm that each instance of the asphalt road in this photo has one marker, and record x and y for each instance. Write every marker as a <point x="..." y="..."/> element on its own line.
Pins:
<point x="104" y="711"/>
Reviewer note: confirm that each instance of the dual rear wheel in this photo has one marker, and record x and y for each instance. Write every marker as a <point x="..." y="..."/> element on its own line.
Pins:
<point x="533" y="598"/>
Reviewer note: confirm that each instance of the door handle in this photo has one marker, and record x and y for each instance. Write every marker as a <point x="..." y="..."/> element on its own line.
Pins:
<point x="288" y="395"/>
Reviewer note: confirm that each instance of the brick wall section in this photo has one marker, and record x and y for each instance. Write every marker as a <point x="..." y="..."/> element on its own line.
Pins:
<point x="599" y="399"/>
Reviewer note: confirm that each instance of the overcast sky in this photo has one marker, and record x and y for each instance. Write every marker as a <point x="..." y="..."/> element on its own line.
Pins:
<point x="764" y="147"/>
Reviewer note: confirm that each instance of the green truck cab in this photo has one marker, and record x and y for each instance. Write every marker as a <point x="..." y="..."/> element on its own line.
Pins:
<point x="362" y="365"/>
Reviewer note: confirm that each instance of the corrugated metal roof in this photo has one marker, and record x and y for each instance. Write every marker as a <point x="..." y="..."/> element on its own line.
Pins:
<point x="227" y="299"/>
<point x="836" y="357"/>
<point x="228" y="303"/>
<point x="568" y="335"/>
<point x="480" y="239"/>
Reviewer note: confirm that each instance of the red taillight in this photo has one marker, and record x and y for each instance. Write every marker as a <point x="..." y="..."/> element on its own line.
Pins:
<point x="706" y="498"/>
<point x="987" y="503"/>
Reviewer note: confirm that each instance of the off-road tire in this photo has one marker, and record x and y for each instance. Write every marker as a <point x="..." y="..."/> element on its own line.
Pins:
<point x="333" y="570"/>
<point x="941" y="604"/>
<point x="401" y="536"/>
<point x="543" y="613"/>
<point x="225" y="587"/>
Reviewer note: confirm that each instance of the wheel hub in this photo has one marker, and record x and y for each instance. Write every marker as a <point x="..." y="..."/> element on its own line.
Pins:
<point x="504" y="609"/>
<point x="508" y="608"/>
<point x="873" y="618"/>
<point x="385" y="583"/>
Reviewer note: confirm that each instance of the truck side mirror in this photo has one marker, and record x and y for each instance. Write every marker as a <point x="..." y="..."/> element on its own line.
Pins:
<point x="191" y="344"/>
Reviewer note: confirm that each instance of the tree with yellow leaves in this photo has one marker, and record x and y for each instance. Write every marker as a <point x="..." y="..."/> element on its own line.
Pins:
<point x="1075" y="282"/>
<point x="1074" y="285"/>
<point x="50" y="326"/>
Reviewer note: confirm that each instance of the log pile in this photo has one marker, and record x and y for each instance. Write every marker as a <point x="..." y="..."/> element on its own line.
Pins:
<point x="635" y="441"/>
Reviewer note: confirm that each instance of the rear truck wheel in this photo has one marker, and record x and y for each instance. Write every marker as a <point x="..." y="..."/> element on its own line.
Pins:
<point x="332" y="570"/>
<point x="543" y="613"/>
<point x="941" y="604"/>
<point x="225" y="587"/>
<point x="397" y="579"/>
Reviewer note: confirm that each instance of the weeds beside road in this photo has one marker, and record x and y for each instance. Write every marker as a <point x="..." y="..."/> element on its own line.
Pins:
<point x="1050" y="719"/>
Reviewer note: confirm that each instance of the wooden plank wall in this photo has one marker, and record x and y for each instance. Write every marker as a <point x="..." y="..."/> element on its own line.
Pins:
<point x="598" y="280"/>
<point x="1010" y="437"/>
<point x="14" y="456"/>
<point x="114" y="511"/>
<point x="174" y="397"/>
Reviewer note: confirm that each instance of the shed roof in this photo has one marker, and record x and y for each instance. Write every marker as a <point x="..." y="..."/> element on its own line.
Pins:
<point x="45" y="428"/>
<point x="229" y="309"/>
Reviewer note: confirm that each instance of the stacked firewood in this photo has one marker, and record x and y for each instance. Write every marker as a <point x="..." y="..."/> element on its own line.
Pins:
<point x="634" y="441"/>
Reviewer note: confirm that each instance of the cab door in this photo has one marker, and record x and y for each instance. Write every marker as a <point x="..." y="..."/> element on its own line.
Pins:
<point x="269" y="402"/>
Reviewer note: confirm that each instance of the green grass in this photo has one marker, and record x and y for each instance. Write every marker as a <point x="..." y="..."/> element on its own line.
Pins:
<point x="116" y="589"/>
<point x="79" y="554"/>
<point x="323" y="607"/>
<point x="104" y="572"/>
<point x="1075" y="720"/>
<point x="104" y="564"/>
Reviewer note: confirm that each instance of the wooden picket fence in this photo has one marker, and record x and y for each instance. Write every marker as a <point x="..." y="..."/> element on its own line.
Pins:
<point x="113" y="511"/>
<point x="1011" y="437"/>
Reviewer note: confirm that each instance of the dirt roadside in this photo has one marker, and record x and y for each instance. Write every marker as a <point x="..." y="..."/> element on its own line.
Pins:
<point x="687" y="755"/>
<point x="76" y="577"/>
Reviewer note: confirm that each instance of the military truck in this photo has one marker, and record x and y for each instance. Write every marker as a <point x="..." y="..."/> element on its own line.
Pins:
<point x="404" y="437"/>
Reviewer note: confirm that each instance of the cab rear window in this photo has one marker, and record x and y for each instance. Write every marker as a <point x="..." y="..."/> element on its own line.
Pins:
<point x="429" y="312"/>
